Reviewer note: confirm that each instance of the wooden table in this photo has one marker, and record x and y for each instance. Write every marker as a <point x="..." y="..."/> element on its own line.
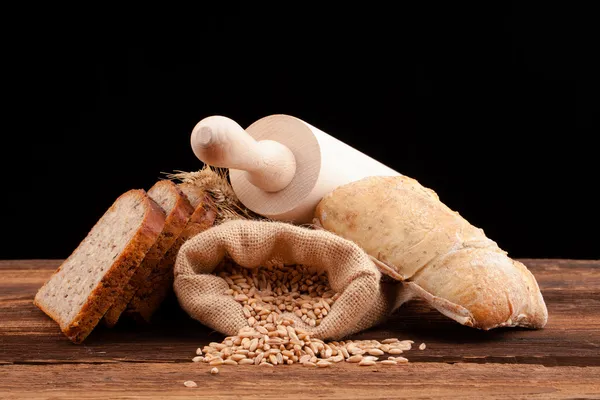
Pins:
<point x="153" y="361"/>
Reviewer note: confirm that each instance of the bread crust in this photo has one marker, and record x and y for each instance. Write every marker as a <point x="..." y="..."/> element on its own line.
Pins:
<point x="114" y="279"/>
<point x="175" y="221"/>
<point x="147" y="300"/>
<point x="414" y="237"/>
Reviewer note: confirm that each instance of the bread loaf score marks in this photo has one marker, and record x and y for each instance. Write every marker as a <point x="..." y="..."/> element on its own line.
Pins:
<point x="147" y="299"/>
<point x="92" y="278"/>
<point x="177" y="210"/>
<point x="413" y="237"/>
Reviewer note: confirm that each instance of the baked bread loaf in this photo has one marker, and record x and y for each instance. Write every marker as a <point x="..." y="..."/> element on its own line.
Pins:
<point x="147" y="299"/>
<point x="177" y="210"/>
<point x="92" y="278"/>
<point x="440" y="256"/>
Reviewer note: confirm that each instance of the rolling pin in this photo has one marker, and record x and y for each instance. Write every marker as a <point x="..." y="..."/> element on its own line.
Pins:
<point x="280" y="166"/>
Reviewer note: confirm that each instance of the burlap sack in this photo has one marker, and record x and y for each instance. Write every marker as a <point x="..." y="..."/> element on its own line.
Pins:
<point x="364" y="300"/>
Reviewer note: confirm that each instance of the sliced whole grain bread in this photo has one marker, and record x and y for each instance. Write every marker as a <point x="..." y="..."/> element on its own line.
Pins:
<point x="178" y="211"/>
<point x="89" y="281"/>
<point x="147" y="300"/>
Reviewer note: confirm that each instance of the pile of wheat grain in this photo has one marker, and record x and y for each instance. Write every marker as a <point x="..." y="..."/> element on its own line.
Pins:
<point x="281" y="343"/>
<point x="271" y="338"/>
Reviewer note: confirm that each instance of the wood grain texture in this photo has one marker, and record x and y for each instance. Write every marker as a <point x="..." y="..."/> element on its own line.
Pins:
<point x="418" y="380"/>
<point x="559" y="361"/>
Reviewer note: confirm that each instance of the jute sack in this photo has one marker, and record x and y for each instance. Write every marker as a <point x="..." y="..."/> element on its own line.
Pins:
<point x="364" y="299"/>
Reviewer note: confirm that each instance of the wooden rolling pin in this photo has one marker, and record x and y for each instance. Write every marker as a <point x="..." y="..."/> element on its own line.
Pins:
<point x="280" y="166"/>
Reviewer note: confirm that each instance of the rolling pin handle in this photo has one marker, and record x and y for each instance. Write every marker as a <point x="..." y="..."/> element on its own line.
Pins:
<point x="221" y="142"/>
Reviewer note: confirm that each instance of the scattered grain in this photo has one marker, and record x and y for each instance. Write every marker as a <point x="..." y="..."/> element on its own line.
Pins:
<point x="375" y="352"/>
<point x="355" y="358"/>
<point x="272" y="338"/>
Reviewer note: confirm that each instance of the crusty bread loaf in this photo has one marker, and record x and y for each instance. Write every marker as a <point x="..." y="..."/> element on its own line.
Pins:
<point x="438" y="254"/>
<point x="147" y="300"/>
<point x="177" y="210"/>
<point x="89" y="281"/>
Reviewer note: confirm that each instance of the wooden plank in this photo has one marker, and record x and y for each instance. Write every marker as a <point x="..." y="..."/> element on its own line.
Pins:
<point x="571" y="338"/>
<point x="341" y="381"/>
<point x="37" y="361"/>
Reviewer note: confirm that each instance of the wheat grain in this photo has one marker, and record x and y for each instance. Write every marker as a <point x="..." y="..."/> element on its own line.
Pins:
<point x="271" y="297"/>
<point x="375" y="352"/>
<point x="355" y="358"/>
<point x="284" y="344"/>
<point x="270" y="291"/>
<point x="367" y="363"/>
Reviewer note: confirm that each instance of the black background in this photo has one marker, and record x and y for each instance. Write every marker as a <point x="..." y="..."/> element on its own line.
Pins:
<point x="494" y="107"/>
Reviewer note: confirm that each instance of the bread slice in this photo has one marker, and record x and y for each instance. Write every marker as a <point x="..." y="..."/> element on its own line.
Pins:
<point x="89" y="281"/>
<point x="148" y="299"/>
<point x="177" y="210"/>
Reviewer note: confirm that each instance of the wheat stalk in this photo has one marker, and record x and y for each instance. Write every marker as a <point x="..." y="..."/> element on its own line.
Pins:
<point x="214" y="181"/>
